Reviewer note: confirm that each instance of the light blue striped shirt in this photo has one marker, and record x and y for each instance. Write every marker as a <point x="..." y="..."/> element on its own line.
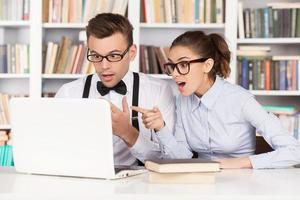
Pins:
<point x="222" y="124"/>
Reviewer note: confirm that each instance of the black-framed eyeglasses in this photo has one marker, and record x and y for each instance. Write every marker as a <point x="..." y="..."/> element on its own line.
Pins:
<point x="113" y="57"/>
<point x="182" y="67"/>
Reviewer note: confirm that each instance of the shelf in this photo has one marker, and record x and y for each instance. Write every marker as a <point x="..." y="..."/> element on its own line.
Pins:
<point x="4" y="127"/>
<point x="62" y="76"/>
<point x="183" y="26"/>
<point x="75" y="76"/>
<point x="269" y="41"/>
<point x="162" y="76"/>
<point x="14" y="23"/>
<point x="275" y="93"/>
<point x="9" y="76"/>
<point x="65" y="25"/>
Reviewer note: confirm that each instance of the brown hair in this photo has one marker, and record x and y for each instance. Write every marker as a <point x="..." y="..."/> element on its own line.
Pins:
<point x="208" y="46"/>
<point x="106" y="24"/>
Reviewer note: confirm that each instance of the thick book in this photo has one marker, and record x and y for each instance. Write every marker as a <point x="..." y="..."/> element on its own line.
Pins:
<point x="182" y="165"/>
<point x="181" y="178"/>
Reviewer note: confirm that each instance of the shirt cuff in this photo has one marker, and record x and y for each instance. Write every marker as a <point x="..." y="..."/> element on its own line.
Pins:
<point x="141" y="144"/>
<point x="261" y="161"/>
<point x="164" y="135"/>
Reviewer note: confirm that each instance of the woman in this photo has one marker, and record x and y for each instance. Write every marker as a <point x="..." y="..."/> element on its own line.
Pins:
<point x="215" y="118"/>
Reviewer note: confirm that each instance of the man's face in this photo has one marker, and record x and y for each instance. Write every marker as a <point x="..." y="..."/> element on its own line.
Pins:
<point x="111" y="73"/>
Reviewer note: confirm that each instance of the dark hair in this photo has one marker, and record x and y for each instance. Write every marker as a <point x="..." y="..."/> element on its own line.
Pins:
<point x="208" y="46"/>
<point x="106" y="24"/>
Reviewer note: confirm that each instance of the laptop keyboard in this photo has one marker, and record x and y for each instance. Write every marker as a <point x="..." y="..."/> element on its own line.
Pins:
<point x="119" y="168"/>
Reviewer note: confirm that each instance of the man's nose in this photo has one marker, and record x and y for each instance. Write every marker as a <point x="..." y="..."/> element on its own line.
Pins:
<point x="105" y="64"/>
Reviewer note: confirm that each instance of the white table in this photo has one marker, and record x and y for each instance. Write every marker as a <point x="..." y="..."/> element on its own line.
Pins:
<point x="230" y="184"/>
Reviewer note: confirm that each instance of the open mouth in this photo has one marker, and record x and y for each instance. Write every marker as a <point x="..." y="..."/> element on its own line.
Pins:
<point x="107" y="77"/>
<point x="181" y="85"/>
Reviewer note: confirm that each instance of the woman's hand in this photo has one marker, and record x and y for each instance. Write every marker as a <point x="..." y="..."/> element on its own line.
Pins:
<point x="152" y="118"/>
<point x="235" y="163"/>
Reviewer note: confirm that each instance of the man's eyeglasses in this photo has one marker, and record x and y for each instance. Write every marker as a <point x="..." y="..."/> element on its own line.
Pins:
<point x="113" y="57"/>
<point x="182" y="67"/>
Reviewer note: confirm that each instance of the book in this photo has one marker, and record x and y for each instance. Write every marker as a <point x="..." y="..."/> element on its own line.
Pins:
<point x="3" y="137"/>
<point x="182" y="165"/>
<point x="285" y="110"/>
<point x="175" y="178"/>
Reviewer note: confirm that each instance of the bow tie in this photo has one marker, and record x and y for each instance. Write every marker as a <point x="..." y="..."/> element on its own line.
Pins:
<point x="119" y="88"/>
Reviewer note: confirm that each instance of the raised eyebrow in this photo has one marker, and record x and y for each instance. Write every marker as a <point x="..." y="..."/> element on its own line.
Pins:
<point x="182" y="58"/>
<point x="178" y="60"/>
<point x="170" y="60"/>
<point x="111" y="52"/>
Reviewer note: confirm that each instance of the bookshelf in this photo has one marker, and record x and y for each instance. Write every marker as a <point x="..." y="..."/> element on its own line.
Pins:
<point x="279" y="45"/>
<point x="38" y="33"/>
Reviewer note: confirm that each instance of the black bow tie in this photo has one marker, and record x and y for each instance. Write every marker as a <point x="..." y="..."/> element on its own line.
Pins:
<point x="119" y="88"/>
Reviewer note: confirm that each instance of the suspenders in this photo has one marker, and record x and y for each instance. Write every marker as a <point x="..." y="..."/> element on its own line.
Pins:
<point x="135" y="98"/>
<point x="135" y="95"/>
<point x="87" y="86"/>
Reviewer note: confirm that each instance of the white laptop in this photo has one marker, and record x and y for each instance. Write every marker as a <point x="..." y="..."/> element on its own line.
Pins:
<point x="67" y="137"/>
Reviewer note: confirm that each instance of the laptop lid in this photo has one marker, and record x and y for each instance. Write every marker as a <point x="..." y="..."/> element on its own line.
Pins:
<point x="69" y="137"/>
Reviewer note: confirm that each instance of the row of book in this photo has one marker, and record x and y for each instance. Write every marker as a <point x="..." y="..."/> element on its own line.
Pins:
<point x="275" y="20"/>
<point x="289" y="118"/>
<point x="269" y="73"/>
<point x="66" y="58"/>
<point x="6" y="156"/>
<point x="14" y="58"/>
<point x="14" y="10"/>
<point x="4" y="112"/>
<point x="182" y="11"/>
<point x="152" y="59"/>
<point x="77" y="11"/>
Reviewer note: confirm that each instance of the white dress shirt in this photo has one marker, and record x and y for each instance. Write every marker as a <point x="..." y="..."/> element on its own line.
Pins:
<point x="152" y="92"/>
<point x="222" y="124"/>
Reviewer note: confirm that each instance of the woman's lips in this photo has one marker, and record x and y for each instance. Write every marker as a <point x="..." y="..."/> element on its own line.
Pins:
<point x="181" y="86"/>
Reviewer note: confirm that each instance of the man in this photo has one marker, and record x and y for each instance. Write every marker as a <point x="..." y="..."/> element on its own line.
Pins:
<point x="111" y="49"/>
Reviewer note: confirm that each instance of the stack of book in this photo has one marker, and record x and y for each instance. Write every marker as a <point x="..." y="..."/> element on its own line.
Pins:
<point x="182" y="170"/>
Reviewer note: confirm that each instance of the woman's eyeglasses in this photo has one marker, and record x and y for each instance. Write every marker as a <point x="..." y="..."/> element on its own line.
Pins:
<point x="182" y="67"/>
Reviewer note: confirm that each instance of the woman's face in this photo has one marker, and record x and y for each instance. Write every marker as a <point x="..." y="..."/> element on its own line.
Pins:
<point x="197" y="79"/>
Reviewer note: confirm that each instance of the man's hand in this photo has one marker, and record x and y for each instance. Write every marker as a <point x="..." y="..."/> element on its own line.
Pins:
<point x="121" y="123"/>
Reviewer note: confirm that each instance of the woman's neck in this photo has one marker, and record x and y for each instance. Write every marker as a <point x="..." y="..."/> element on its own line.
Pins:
<point x="205" y="87"/>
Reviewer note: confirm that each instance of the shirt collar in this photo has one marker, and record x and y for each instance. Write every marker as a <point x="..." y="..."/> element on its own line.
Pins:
<point x="211" y="96"/>
<point x="128" y="80"/>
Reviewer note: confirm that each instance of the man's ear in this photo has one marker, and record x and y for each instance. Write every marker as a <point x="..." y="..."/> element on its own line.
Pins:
<point x="208" y="65"/>
<point x="132" y="52"/>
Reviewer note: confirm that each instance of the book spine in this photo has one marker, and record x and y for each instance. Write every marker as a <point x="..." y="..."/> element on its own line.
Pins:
<point x="245" y="74"/>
